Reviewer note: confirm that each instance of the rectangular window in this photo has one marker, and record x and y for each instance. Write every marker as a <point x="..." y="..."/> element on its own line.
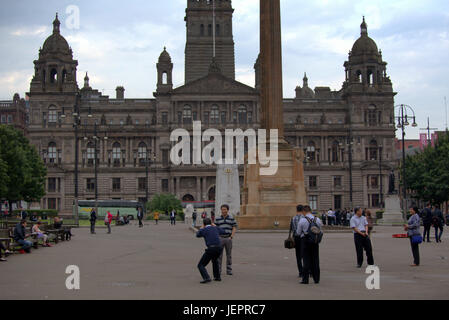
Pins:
<point x="52" y="204"/>
<point x="116" y="184"/>
<point x="223" y="118"/>
<point x="313" y="202"/>
<point x="52" y="116"/>
<point x="164" y="184"/>
<point x="3" y="118"/>
<point x="9" y="118"/>
<point x="313" y="182"/>
<point x="164" y="118"/>
<point x="90" y="185"/>
<point x="165" y="160"/>
<point x="206" y="118"/>
<point x="51" y="185"/>
<point x="375" y="201"/>
<point x="142" y="184"/>
<point x="337" y="181"/>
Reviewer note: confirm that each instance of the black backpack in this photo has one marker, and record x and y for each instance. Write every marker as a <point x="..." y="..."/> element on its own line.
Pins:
<point x="314" y="233"/>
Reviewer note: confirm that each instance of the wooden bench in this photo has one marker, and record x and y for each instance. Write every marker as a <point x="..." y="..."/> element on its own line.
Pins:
<point x="15" y="246"/>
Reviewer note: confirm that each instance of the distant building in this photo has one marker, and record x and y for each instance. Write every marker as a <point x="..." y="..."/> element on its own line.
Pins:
<point x="14" y="113"/>
<point x="325" y="124"/>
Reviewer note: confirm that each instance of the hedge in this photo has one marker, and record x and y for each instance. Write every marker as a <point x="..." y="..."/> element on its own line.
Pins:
<point x="39" y="213"/>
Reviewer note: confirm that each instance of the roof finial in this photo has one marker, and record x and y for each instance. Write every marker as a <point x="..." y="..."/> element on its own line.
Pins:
<point x="305" y="80"/>
<point x="56" y="24"/>
<point x="364" y="27"/>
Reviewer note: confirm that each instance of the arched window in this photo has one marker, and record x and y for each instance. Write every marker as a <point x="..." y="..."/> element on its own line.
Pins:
<point x="372" y="116"/>
<point x="373" y="150"/>
<point x="90" y="153"/>
<point x="215" y="115"/>
<point x="243" y="119"/>
<point x="52" y="152"/>
<point x="164" y="78"/>
<point x="53" y="76"/>
<point x="335" y="147"/>
<point x="52" y="115"/>
<point x="116" y="153"/>
<point x="142" y="153"/>
<point x="358" y="75"/>
<point x="187" y="115"/>
<point x="370" y="77"/>
<point x="311" y="151"/>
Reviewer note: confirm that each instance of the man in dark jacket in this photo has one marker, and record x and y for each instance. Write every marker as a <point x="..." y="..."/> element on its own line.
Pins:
<point x="93" y="221"/>
<point x="426" y="216"/>
<point x="20" y="235"/>
<point x="140" y="217"/>
<point x="211" y="235"/>
<point x="438" y="223"/>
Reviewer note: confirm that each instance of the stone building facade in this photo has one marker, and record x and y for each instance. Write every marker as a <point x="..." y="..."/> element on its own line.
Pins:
<point x="14" y="113"/>
<point x="129" y="132"/>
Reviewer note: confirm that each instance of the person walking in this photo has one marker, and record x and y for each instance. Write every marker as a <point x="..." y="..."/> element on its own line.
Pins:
<point x="210" y="233"/>
<point x="108" y="221"/>
<point x="297" y="238"/>
<point x="194" y="217"/>
<point x="438" y="223"/>
<point x="228" y="224"/>
<point x="413" y="231"/>
<point x="140" y="216"/>
<point x="156" y="217"/>
<point x="173" y="217"/>
<point x="93" y="221"/>
<point x="331" y="217"/>
<point x="362" y="241"/>
<point x="310" y="245"/>
<point x="426" y="215"/>
<point x="370" y="220"/>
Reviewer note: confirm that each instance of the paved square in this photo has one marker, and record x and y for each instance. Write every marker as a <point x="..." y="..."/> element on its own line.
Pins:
<point x="159" y="262"/>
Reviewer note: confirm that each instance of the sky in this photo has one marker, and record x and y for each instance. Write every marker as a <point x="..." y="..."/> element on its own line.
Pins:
<point x="119" y="43"/>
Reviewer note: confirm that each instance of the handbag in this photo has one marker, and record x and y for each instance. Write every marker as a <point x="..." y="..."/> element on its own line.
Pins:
<point x="417" y="239"/>
<point x="289" y="243"/>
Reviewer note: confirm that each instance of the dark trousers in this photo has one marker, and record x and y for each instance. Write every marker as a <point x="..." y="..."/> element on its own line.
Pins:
<point x="440" y="234"/>
<point x="211" y="253"/>
<point x="415" y="252"/>
<point x="427" y="231"/>
<point x="299" y="254"/>
<point x="140" y="222"/>
<point x="2" y="247"/>
<point x="311" y="257"/>
<point x="92" y="227"/>
<point x="173" y="221"/>
<point x="363" y="243"/>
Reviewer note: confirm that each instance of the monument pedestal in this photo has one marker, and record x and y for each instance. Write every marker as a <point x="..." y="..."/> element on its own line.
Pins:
<point x="269" y="202"/>
<point x="392" y="215"/>
<point x="227" y="189"/>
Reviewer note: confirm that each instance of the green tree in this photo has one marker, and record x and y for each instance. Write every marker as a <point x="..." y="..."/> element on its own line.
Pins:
<point x="24" y="169"/>
<point x="427" y="172"/>
<point x="165" y="202"/>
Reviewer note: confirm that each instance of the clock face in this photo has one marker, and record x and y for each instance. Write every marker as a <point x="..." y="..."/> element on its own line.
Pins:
<point x="228" y="170"/>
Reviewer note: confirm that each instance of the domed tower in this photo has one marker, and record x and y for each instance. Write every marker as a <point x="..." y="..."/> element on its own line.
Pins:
<point x="365" y="69"/>
<point x="305" y="92"/>
<point x="164" y="73"/>
<point x="55" y="71"/>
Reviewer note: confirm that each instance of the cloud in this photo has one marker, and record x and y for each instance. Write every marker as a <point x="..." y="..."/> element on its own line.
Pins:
<point x="30" y="31"/>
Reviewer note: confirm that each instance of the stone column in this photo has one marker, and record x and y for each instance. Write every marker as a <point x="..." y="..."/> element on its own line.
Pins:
<point x="271" y="66"/>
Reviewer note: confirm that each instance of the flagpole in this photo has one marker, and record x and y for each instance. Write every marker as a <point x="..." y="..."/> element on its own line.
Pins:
<point x="213" y="26"/>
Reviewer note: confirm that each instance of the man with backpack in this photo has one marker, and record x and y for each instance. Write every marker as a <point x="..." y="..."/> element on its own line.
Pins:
<point x="426" y="216"/>
<point x="359" y="225"/>
<point x="438" y="223"/>
<point x="309" y="229"/>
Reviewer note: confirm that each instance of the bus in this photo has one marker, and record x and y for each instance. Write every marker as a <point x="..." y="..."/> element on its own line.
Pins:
<point x="126" y="208"/>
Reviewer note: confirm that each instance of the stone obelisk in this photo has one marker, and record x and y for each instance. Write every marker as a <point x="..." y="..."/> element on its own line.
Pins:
<point x="269" y="202"/>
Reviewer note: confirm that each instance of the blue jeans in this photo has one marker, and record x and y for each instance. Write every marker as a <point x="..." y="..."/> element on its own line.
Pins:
<point x="25" y="244"/>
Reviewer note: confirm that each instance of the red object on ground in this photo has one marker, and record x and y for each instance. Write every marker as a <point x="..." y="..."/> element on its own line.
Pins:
<point x="22" y="251"/>
<point x="400" y="236"/>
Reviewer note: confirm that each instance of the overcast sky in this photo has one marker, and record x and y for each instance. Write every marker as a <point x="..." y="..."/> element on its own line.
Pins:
<point x="119" y="43"/>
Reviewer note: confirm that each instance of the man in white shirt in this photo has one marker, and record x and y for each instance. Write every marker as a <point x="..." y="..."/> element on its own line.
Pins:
<point x="359" y="225"/>
<point x="331" y="217"/>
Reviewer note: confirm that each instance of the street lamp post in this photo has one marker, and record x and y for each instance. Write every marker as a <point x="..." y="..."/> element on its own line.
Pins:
<point x="403" y="121"/>
<point x="148" y="161"/>
<point x="76" y="123"/>
<point x="381" y="196"/>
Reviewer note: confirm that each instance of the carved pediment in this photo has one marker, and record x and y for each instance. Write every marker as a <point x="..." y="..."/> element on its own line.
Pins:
<point x="215" y="83"/>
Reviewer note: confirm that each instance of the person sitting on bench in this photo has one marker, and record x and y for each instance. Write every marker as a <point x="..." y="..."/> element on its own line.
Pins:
<point x="20" y="235"/>
<point x="57" y="224"/>
<point x="40" y="235"/>
<point x="2" y="247"/>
